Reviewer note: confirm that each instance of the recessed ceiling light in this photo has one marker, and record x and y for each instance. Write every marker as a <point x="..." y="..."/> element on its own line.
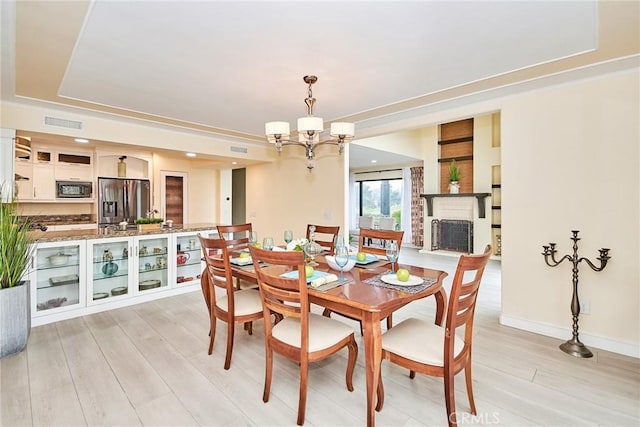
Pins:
<point x="81" y="140"/>
<point x="234" y="163"/>
<point x="374" y="161"/>
<point x="191" y="154"/>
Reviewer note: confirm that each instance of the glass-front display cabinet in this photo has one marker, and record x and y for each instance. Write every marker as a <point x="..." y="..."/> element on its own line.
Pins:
<point x="109" y="267"/>
<point x="188" y="257"/>
<point x="57" y="277"/>
<point x="153" y="264"/>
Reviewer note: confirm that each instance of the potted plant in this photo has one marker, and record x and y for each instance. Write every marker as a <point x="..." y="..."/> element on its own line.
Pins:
<point x="145" y="224"/>
<point x="15" y="253"/>
<point x="454" y="178"/>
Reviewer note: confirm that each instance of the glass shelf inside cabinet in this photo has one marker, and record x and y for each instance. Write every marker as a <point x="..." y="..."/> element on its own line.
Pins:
<point x="188" y="259"/>
<point x="58" y="266"/>
<point x="153" y="264"/>
<point x="57" y="276"/>
<point x="110" y="271"/>
<point x="110" y="260"/>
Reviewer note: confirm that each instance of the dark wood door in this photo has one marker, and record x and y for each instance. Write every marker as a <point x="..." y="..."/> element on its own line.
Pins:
<point x="174" y="199"/>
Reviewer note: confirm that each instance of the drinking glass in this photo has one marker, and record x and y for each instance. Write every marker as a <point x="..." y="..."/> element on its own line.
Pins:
<point x="267" y="243"/>
<point x="342" y="258"/>
<point x="339" y="241"/>
<point x="392" y="254"/>
<point x="288" y="236"/>
<point x="253" y="238"/>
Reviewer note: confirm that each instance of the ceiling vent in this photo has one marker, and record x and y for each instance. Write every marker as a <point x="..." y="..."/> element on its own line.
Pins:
<point x="63" y="123"/>
<point x="239" y="149"/>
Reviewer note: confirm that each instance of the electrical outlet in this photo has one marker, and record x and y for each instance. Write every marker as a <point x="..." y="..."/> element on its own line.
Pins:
<point x="585" y="307"/>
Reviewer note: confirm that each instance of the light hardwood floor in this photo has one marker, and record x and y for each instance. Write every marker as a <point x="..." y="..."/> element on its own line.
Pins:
<point x="148" y="365"/>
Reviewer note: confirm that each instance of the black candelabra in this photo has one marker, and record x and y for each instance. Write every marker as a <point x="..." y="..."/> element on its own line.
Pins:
<point x="574" y="347"/>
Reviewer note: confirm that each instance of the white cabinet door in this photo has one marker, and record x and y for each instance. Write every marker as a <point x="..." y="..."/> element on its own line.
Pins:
<point x="65" y="172"/>
<point x="24" y="186"/>
<point x="187" y="257"/>
<point x="58" y="277"/>
<point x="110" y="265"/>
<point x="44" y="184"/>
<point x="153" y="267"/>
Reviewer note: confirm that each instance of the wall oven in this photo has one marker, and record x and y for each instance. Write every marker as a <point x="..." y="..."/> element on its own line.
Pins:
<point x="74" y="189"/>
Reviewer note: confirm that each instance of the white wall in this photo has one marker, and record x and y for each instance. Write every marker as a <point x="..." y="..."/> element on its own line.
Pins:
<point x="570" y="162"/>
<point x="283" y="195"/>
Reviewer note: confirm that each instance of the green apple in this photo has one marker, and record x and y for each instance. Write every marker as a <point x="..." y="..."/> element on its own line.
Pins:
<point x="308" y="271"/>
<point x="244" y="255"/>
<point x="402" y="274"/>
<point x="361" y="256"/>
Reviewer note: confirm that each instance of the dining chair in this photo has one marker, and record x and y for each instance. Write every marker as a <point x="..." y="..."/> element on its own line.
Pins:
<point x="300" y="335"/>
<point x="387" y="223"/>
<point x="365" y="221"/>
<point x="437" y="350"/>
<point x="384" y="235"/>
<point x="237" y="238"/>
<point x="233" y="306"/>
<point x="236" y="235"/>
<point x="327" y="243"/>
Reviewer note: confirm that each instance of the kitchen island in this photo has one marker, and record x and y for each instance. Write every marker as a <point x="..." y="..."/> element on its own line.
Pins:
<point x="79" y="272"/>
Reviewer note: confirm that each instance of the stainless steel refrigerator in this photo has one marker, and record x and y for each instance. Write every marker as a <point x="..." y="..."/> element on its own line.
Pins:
<point x="122" y="199"/>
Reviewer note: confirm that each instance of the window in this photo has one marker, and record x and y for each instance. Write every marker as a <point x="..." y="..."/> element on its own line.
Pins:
<point x="381" y="197"/>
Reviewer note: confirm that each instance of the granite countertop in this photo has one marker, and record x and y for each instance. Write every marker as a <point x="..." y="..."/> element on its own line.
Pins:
<point x="60" y="236"/>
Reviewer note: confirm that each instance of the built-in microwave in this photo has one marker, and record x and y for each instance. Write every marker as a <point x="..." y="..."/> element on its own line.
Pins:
<point x="74" y="189"/>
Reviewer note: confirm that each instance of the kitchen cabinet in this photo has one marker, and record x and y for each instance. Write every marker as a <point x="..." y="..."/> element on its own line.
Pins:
<point x="128" y="266"/>
<point x="44" y="183"/>
<point x="188" y="257"/>
<point x="58" y="277"/>
<point x="24" y="185"/>
<point x="65" y="172"/>
<point x="98" y="272"/>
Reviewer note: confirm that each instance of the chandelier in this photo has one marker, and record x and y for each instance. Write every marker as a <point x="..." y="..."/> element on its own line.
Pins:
<point x="309" y="130"/>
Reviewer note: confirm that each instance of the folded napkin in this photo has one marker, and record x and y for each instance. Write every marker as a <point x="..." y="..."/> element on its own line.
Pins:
<point x="241" y="261"/>
<point x="278" y="249"/>
<point x="318" y="278"/>
<point x="323" y="280"/>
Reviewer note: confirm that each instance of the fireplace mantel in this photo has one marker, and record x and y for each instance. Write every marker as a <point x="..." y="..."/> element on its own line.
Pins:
<point x="479" y="196"/>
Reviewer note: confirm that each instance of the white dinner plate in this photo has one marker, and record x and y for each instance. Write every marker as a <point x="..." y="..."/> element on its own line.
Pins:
<point x="392" y="279"/>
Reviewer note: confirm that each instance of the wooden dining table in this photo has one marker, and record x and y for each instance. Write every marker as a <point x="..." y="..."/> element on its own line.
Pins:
<point x="367" y="303"/>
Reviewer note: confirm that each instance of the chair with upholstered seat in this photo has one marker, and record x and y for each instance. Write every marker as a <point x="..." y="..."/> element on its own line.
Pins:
<point x="387" y="223"/>
<point x="300" y="336"/>
<point x="386" y="235"/>
<point x="436" y="350"/>
<point x="327" y="238"/>
<point x="236" y="235"/>
<point x="243" y="306"/>
<point x="381" y="235"/>
<point x="237" y="238"/>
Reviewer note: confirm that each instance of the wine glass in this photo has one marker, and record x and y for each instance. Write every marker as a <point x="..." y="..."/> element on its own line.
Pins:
<point x="267" y="243"/>
<point x="342" y="258"/>
<point x="253" y="238"/>
<point x="339" y="241"/>
<point x="288" y="236"/>
<point x="392" y="254"/>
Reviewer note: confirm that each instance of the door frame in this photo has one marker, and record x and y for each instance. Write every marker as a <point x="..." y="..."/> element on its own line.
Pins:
<point x="185" y="194"/>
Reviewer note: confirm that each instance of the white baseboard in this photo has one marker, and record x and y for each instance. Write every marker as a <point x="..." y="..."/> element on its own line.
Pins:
<point x="590" y="340"/>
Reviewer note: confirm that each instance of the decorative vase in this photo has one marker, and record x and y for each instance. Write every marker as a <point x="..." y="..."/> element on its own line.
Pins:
<point x="109" y="269"/>
<point x="454" y="187"/>
<point x="15" y="318"/>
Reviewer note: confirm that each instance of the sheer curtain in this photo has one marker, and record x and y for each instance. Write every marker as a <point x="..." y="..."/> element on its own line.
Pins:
<point x="417" y="211"/>
<point x="406" y="207"/>
<point x="354" y="196"/>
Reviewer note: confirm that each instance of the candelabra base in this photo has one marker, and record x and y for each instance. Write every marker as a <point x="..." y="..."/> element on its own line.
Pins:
<point x="575" y="348"/>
